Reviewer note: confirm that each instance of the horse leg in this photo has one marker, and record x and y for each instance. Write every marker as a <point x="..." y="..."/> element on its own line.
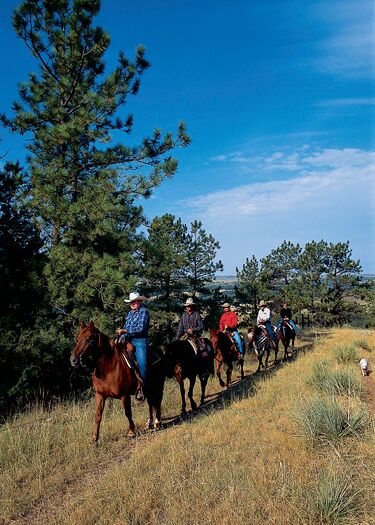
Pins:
<point x="191" y="390"/>
<point x="203" y="380"/>
<point x="100" y="402"/>
<point x="126" y="401"/>
<point x="241" y="366"/>
<point x="150" y="421"/>
<point x="276" y="351"/>
<point x="219" y="364"/>
<point x="229" y="373"/>
<point x="182" y="392"/>
<point x="286" y="344"/>
<point x="267" y="351"/>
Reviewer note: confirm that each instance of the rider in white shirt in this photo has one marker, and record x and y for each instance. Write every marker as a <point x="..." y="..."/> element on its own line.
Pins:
<point x="264" y="318"/>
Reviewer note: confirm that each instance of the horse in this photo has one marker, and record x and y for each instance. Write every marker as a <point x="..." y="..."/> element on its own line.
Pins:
<point x="183" y="362"/>
<point x="226" y="353"/>
<point x="259" y="339"/>
<point x="114" y="377"/>
<point x="287" y="335"/>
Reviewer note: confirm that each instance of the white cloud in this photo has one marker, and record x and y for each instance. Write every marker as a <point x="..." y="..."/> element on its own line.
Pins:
<point x="331" y="197"/>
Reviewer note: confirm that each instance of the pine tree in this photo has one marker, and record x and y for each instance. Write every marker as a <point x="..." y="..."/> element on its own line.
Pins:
<point x="83" y="183"/>
<point x="250" y="287"/>
<point x="21" y="283"/>
<point x="279" y="270"/>
<point x="166" y="254"/>
<point x="200" y="265"/>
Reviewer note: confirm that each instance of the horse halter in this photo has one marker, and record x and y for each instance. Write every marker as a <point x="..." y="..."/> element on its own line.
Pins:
<point x="89" y="344"/>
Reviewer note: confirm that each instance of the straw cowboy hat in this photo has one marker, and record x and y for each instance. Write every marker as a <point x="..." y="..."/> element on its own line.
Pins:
<point x="262" y="303"/>
<point x="226" y="305"/>
<point x="134" y="296"/>
<point x="189" y="302"/>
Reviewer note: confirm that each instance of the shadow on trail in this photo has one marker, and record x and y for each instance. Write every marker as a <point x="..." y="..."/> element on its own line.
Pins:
<point x="238" y="389"/>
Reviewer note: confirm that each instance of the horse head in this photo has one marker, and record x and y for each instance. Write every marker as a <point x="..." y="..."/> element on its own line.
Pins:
<point x="86" y="345"/>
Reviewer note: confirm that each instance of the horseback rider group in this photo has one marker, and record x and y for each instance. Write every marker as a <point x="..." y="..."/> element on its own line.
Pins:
<point x="135" y="331"/>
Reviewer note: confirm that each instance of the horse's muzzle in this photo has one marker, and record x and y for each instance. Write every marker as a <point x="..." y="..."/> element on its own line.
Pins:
<point x="74" y="361"/>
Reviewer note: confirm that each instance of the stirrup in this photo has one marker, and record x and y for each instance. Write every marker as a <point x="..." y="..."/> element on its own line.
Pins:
<point x="139" y="395"/>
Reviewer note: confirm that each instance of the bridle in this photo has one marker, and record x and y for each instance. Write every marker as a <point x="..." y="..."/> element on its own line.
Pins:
<point x="93" y="339"/>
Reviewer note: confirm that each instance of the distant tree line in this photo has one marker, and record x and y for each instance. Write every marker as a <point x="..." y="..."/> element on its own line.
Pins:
<point x="73" y="237"/>
<point x="320" y="280"/>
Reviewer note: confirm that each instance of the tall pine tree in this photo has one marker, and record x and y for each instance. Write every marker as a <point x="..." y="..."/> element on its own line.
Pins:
<point x="83" y="183"/>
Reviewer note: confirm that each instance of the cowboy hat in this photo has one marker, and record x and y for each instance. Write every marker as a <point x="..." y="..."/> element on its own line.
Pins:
<point x="226" y="305"/>
<point x="189" y="302"/>
<point x="262" y="303"/>
<point x="134" y="296"/>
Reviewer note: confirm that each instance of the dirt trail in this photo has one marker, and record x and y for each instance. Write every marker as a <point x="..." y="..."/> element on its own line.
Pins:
<point x="369" y="382"/>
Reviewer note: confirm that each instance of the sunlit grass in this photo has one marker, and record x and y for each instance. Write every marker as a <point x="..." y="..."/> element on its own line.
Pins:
<point x="243" y="460"/>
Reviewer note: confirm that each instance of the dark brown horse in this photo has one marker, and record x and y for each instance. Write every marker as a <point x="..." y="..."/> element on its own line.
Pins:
<point x="260" y="341"/>
<point x="182" y="362"/>
<point x="287" y="335"/>
<point x="114" y="377"/>
<point x="226" y="353"/>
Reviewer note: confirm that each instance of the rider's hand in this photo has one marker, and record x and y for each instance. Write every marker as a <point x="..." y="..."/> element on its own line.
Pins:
<point x="189" y="330"/>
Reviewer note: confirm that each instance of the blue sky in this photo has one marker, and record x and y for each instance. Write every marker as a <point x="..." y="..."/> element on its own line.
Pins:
<point x="278" y="97"/>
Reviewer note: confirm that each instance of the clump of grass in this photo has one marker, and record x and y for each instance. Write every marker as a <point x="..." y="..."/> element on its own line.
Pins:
<point x="345" y="354"/>
<point x="363" y="344"/>
<point x="335" y="499"/>
<point x="320" y="374"/>
<point x="334" y="382"/>
<point x="324" y="420"/>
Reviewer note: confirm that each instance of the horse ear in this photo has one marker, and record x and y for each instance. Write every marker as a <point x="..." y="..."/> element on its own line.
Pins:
<point x="81" y="324"/>
<point x="91" y="324"/>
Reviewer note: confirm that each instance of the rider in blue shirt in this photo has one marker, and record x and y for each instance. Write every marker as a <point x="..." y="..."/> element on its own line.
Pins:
<point x="136" y="331"/>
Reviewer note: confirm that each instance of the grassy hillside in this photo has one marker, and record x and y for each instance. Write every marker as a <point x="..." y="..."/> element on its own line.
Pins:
<point x="294" y="445"/>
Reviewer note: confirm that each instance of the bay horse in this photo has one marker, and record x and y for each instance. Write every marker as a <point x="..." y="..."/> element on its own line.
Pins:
<point x="287" y="335"/>
<point x="259" y="339"/>
<point x="226" y="353"/>
<point x="114" y="377"/>
<point x="182" y="362"/>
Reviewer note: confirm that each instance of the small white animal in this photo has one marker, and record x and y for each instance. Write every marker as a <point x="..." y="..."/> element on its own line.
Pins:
<point x="364" y="366"/>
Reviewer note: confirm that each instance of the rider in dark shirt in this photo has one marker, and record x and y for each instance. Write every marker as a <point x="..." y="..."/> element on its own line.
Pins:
<point x="286" y="315"/>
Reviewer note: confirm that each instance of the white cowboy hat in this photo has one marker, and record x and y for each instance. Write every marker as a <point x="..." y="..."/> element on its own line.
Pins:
<point x="226" y="305"/>
<point x="262" y="303"/>
<point x="134" y="296"/>
<point x="189" y="302"/>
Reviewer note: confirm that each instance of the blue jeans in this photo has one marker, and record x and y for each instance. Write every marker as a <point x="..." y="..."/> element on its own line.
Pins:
<point x="270" y="331"/>
<point x="141" y="344"/>
<point x="238" y="342"/>
<point x="292" y="324"/>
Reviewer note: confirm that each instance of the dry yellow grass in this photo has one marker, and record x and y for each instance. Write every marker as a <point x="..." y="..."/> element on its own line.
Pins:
<point x="245" y="461"/>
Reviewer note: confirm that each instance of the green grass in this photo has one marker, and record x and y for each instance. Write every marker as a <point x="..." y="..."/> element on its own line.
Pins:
<point x="325" y="420"/>
<point x="346" y="354"/>
<point x="335" y="382"/>
<point x="335" y="499"/>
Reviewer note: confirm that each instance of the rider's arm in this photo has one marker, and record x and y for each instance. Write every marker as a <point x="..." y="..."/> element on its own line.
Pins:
<point x="197" y="323"/>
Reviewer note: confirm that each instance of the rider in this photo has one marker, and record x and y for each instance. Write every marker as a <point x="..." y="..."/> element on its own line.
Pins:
<point x="286" y="315"/>
<point x="264" y="318"/>
<point x="136" y="331"/>
<point x="191" y="325"/>
<point x="229" y="324"/>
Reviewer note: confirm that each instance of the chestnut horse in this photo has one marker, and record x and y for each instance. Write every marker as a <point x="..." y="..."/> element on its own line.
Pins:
<point x="226" y="353"/>
<point x="287" y="335"/>
<point x="259" y="339"/>
<point x="182" y="362"/>
<point x="113" y="376"/>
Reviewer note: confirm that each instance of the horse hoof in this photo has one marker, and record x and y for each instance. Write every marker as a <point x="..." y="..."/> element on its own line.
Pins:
<point x="149" y="424"/>
<point x="131" y="434"/>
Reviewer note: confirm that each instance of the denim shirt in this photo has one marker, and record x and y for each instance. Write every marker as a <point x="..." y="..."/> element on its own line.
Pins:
<point x="137" y="322"/>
